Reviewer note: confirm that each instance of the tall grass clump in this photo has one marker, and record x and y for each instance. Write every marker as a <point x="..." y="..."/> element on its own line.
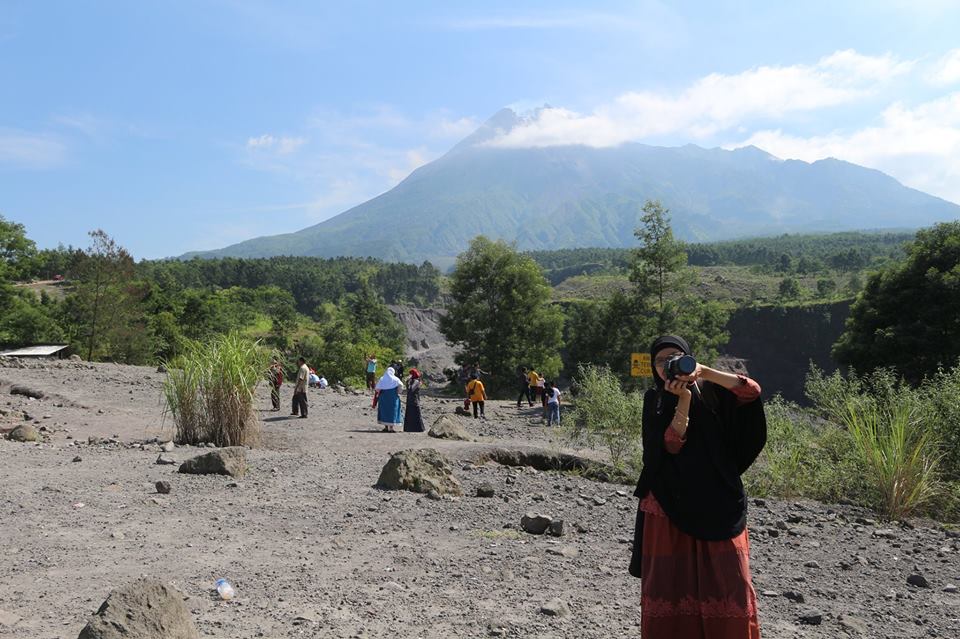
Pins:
<point x="899" y="451"/>
<point x="608" y="416"/>
<point x="895" y="430"/>
<point x="210" y="388"/>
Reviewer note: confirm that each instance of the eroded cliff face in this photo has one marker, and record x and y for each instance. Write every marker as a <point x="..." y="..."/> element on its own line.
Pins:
<point x="426" y="345"/>
<point x="778" y="344"/>
<point x="773" y="345"/>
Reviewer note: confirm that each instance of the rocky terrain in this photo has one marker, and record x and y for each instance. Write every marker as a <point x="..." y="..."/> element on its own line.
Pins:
<point x="313" y="548"/>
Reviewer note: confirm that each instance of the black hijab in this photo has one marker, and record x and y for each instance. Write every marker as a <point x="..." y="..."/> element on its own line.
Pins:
<point x="699" y="488"/>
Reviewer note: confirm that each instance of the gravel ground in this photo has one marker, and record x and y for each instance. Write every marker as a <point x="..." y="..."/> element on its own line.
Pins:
<point x="314" y="550"/>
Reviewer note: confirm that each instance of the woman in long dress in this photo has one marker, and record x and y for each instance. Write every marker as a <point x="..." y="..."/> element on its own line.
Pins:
<point x="412" y="419"/>
<point x="388" y="390"/>
<point x="691" y="549"/>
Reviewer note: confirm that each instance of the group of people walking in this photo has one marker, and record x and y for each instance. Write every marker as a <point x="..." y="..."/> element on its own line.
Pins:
<point x="534" y="387"/>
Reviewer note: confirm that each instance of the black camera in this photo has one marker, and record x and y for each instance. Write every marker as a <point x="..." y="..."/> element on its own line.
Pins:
<point x="678" y="365"/>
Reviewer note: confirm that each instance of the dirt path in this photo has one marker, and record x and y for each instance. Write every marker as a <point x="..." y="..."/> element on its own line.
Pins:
<point x="314" y="550"/>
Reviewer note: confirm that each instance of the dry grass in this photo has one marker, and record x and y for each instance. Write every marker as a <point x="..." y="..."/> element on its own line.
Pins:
<point x="210" y="391"/>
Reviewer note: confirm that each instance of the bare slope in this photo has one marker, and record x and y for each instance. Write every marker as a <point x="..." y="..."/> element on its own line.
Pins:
<point x="314" y="550"/>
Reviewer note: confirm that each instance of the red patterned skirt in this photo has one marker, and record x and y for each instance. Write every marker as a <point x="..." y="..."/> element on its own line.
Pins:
<point x="691" y="588"/>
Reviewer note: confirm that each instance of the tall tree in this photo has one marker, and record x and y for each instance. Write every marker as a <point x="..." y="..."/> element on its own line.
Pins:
<point x="500" y="314"/>
<point x="106" y="302"/>
<point x="908" y="315"/>
<point x="659" y="263"/>
<point x="661" y="301"/>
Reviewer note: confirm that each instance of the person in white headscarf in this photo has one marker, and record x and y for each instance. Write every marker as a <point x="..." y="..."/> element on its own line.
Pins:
<point x="389" y="413"/>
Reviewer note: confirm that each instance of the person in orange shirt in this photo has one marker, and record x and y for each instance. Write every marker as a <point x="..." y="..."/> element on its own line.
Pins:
<point x="477" y="395"/>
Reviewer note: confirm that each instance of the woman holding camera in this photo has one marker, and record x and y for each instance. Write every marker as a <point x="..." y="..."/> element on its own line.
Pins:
<point x="702" y="428"/>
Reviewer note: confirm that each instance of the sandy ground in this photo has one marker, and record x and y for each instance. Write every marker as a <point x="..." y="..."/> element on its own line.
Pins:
<point x="314" y="550"/>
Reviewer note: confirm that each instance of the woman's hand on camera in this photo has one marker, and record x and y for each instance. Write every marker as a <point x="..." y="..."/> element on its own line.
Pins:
<point x="678" y="387"/>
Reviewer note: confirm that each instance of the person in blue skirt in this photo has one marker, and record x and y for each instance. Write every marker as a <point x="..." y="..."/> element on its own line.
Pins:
<point x="389" y="414"/>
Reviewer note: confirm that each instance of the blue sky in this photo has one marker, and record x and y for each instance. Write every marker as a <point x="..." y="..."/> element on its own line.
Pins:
<point x="185" y="125"/>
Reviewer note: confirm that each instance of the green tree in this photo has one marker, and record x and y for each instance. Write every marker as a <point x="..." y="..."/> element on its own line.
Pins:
<point x="661" y="301"/>
<point x="105" y="305"/>
<point x="17" y="252"/>
<point x="826" y="287"/>
<point x="906" y="316"/>
<point x="789" y="289"/>
<point x="500" y="314"/>
<point x="659" y="263"/>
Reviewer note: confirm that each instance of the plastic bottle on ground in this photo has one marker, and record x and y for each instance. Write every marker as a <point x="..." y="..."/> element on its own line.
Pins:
<point x="224" y="589"/>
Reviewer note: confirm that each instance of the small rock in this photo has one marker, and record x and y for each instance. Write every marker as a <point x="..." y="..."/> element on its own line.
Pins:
<point x="557" y="528"/>
<point x="599" y="501"/>
<point x="26" y="391"/>
<point x="163" y="487"/>
<point x="918" y="580"/>
<point x="794" y="596"/>
<point x="885" y="533"/>
<point x="950" y="588"/>
<point x="24" y="433"/>
<point x="813" y="563"/>
<point x="535" y="524"/>
<point x="770" y="593"/>
<point x="853" y="625"/>
<point x="225" y="461"/>
<point x="168" y="447"/>
<point x="486" y="490"/>
<point x="811" y="618"/>
<point x="163" y="460"/>
<point x="555" y="608"/>
<point x="77" y="459"/>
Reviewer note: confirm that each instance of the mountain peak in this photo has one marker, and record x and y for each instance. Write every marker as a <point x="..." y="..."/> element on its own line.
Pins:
<point x="498" y="124"/>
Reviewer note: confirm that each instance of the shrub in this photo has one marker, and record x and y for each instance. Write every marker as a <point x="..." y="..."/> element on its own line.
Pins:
<point x="605" y="414"/>
<point x="806" y="457"/>
<point x="941" y="395"/>
<point x="210" y="390"/>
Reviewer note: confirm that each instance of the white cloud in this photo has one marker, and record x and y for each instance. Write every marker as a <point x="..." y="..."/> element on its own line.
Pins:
<point x="946" y="71"/>
<point x="919" y="145"/>
<point x="714" y="103"/>
<point x="282" y="145"/>
<point x="21" y="149"/>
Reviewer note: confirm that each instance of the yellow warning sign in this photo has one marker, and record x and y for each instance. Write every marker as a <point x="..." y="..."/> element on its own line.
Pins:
<point x="640" y="365"/>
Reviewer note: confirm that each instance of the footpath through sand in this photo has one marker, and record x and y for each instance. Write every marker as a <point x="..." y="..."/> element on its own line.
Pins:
<point x="314" y="550"/>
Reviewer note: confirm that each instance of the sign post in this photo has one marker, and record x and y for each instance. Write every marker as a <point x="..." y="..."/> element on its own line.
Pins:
<point x="640" y="365"/>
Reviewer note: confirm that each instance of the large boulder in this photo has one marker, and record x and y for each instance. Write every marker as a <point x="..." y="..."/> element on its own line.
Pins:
<point x="24" y="433"/>
<point x="447" y="427"/>
<point x="420" y="471"/>
<point x="144" y="609"/>
<point x="224" y="461"/>
<point x="26" y="391"/>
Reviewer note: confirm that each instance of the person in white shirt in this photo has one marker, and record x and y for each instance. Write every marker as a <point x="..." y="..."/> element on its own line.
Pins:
<point x="553" y="404"/>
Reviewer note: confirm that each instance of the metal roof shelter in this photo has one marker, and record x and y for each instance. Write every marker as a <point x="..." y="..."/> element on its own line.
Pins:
<point x="54" y="350"/>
